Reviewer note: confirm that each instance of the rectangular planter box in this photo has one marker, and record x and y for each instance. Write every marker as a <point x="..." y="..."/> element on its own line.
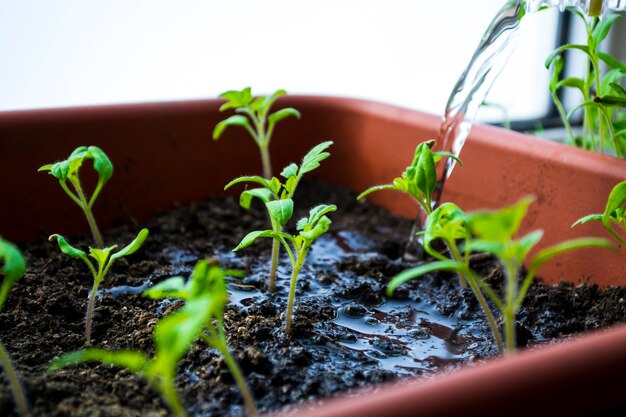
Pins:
<point x="163" y="154"/>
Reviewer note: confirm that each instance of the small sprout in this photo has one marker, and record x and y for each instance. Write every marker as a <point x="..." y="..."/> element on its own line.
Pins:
<point x="255" y="118"/>
<point x="173" y="336"/>
<point x="104" y="259"/>
<point x="615" y="212"/>
<point x="207" y="284"/>
<point x="278" y="196"/>
<point x="12" y="268"/>
<point x="310" y="228"/>
<point x="68" y="171"/>
<point x="601" y="93"/>
<point x="419" y="179"/>
<point x="493" y="232"/>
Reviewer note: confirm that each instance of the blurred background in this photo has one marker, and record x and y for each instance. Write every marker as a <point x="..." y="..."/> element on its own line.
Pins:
<point x="406" y="52"/>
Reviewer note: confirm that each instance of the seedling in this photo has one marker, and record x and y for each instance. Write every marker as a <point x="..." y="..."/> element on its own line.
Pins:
<point x="255" y="118"/>
<point x="310" y="228"/>
<point x="12" y="268"/>
<point x="68" y="171"/>
<point x="450" y="224"/>
<point x="493" y="232"/>
<point x="604" y="125"/>
<point x="104" y="259"/>
<point x="278" y="196"/>
<point x="418" y="179"/>
<point x="615" y="212"/>
<point x="207" y="283"/>
<point x="173" y="336"/>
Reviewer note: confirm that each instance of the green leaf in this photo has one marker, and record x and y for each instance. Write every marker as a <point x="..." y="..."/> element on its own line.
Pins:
<point x="447" y="221"/>
<point x="271" y="99"/>
<point x="133" y="246"/>
<point x="588" y="218"/>
<point x="12" y="268"/>
<point x="283" y="114"/>
<point x="611" y="61"/>
<point x="289" y="171"/>
<point x="523" y="246"/>
<point x="101" y="255"/>
<point x="603" y="27"/>
<point x="610" y="100"/>
<point x="547" y="254"/>
<point x="500" y="225"/>
<point x="618" y="89"/>
<point x="273" y="185"/>
<point x="313" y="158"/>
<point x="68" y="249"/>
<point x="280" y="210"/>
<point x="263" y="194"/>
<point x="252" y="236"/>
<point x="409" y="274"/>
<point x="131" y="360"/>
<point x="316" y="213"/>
<point x="376" y="188"/>
<point x="573" y="83"/>
<point x="101" y="163"/>
<point x="175" y="334"/>
<point x="234" y="120"/>
<point x="556" y="72"/>
<point x="550" y="59"/>
<point x="172" y="287"/>
<point x="426" y="174"/>
<point x="236" y="99"/>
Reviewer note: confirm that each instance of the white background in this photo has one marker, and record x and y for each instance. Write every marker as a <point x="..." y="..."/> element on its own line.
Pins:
<point x="404" y="52"/>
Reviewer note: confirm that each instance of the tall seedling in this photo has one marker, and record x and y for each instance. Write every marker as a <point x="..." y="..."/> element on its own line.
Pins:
<point x="278" y="196"/>
<point x="254" y="116"/>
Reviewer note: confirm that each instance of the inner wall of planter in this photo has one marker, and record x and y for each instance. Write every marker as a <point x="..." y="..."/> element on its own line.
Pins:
<point x="163" y="155"/>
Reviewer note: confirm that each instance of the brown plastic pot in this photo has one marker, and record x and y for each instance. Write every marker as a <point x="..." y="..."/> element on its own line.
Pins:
<point x="163" y="155"/>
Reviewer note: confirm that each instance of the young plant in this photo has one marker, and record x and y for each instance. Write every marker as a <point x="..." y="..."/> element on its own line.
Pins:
<point x="493" y="232"/>
<point x="310" y="228"/>
<point x="68" y="172"/>
<point x="450" y="224"/>
<point x="278" y="196"/>
<point x="254" y="115"/>
<point x="104" y="259"/>
<point x="207" y="282"/>
<point x="173" y="336"/>
<point x="604" y="125"/>
<point x="12" y="268"/>
<point x="614" y="212"/>
<point x="418" y="179"/>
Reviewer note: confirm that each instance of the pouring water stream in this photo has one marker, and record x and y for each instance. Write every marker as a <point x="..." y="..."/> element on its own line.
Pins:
<point x="472" y="87"/>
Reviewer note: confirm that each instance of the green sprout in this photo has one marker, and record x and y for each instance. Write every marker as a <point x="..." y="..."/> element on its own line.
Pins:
<point x="259" y="122"/>
<point x="614" y="212"/>
<point x="173" y="336"/>
<point x="450" y="224"/>
<point x="604" y="124"/>
<point x="418" y="179"/>
<point x="309" y="228"/>
<point x="278" y="196"/>
<point x="493" y="232"/>
<point x="12" y="268"/>
<point x="207" y="282"/>
<point x="104" y="259"/>
<point x="68" y="171"/>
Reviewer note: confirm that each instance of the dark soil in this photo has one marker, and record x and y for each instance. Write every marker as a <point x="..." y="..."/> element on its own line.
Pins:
<point x="347" y="333"/>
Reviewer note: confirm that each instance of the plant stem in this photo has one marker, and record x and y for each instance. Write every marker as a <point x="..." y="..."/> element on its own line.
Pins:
<point x="14" y="382"/>
<point x="235" y="370"/>
<point x="265" y="159"/>
<point x="171" y="398"/>
<point x="292" y="287"/>
<point x="509" y="309"/>
<point x="274" y="265"/>
<point x="97" y="236"/>
<point x="89" y="317"/>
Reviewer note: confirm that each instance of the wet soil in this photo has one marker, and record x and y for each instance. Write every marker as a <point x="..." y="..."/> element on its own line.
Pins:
<point x="347" y="333"/>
